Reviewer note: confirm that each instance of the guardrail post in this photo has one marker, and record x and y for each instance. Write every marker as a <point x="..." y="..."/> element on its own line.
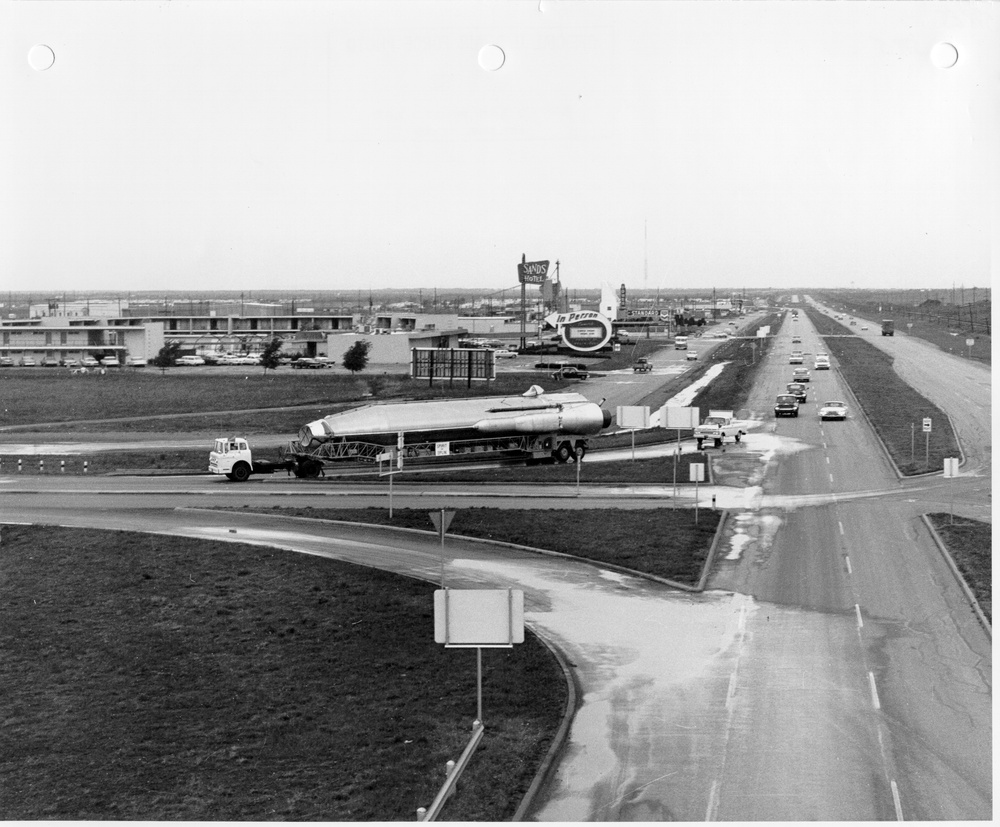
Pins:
<point x="41" y="466"/>
<point x="19" y="466"/>
<point x="85" y="466"/>
<point x="62" y="466"/>
<point x="421" y="813"/>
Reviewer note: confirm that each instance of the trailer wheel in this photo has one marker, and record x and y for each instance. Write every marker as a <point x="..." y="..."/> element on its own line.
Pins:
<point x="581" y="450"/>
<point x="308" y="469"/>
<point x="563" y="452"/>
<point x="240" y="472"/>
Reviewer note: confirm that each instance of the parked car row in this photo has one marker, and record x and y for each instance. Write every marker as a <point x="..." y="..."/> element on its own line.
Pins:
<point x="85" y="362"/>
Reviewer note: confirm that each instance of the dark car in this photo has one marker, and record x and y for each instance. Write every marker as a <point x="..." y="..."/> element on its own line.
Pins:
<point x="786" y="404"/>
<point x="798" y="390"/>
<point x="570" y="372"/>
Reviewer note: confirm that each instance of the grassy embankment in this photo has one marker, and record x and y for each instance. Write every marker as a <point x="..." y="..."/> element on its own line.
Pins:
<point x="970" y="543"/>
<point x="895" y="409"/>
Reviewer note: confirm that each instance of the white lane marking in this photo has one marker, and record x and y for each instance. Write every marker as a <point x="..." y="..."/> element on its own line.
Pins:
<point x="861" y="623"/>
<point x="827" y="460"/>
<point x="831" y="477"/>
<point x="713" y="802"/>
<point x="840" y="525"/>
<point x="848" y="559"/>
<point x="731" y="691"/>
<point x="871" y="683"/>
<point x="895" y="800"/>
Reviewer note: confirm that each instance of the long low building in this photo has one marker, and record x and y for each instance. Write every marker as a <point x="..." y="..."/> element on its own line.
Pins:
<point x="57" y="340"/>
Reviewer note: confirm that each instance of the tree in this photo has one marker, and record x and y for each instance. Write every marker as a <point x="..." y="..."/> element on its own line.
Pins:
<point x="356" y="356"/>
<point x="167" y="357"/>
<point x="269" y="358"/>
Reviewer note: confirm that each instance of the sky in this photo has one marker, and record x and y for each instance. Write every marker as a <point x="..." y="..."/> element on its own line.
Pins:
<point x="367" y="145"/>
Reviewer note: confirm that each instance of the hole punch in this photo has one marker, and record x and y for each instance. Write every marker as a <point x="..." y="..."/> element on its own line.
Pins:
<point x="491" y="57"/>
<point x="41" y="57"/>
<point x="944" y="55"/>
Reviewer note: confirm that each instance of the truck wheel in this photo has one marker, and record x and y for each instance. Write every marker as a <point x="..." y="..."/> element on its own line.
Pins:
<point x="718" y="442"/>
<point x="563" y="452"/>
<point x="240" y="472"/>
<point x="581" y="450"/>
<point x="740" y="436"/>
<point x="701" y="444"/>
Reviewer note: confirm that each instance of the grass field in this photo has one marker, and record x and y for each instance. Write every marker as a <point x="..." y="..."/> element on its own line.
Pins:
<point x="147" y="678"/>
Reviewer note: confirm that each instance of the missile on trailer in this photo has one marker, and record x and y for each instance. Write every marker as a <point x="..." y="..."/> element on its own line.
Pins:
<point x="535" y="412"/>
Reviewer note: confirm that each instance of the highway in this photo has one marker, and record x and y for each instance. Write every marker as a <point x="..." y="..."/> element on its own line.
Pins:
<point x="832" y="671"/>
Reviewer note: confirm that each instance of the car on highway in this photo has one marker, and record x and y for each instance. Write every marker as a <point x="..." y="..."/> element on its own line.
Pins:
<point x="504" y="353"/>
<point x="796" y="340"/>
<point x="833" y="410"/>
<point x="691" y="355"/>
<point x="797" y="358"/>
<point x="642" y="365"/>
<point x="864" y="327"/>
<point x="822" y="362"/>
<point x="189" y="361"/>
<point x="798" y="390"/>
<point x="570" y="372"/>
<point x="800" y="375"/>
<point x="786" y="404"/>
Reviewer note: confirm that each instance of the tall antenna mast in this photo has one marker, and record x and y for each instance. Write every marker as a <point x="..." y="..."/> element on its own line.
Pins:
<point x="645" y="256"/>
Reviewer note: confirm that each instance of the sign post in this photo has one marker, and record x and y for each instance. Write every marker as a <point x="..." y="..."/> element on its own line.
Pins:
<point x="442" y="519"/>
<point x="697" y="475"/>
<point x="927" y="441"/>
<point x="969" y="343"/>
<point x="951" y="470"/>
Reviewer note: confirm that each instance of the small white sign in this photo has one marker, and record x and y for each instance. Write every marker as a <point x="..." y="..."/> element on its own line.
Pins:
<point x="951" y="466"/>
<point x="927" y="424"/>
<point x="681" y="417"/>
<point x="442" y="449"/>
<point x="633" y="416"/>
<point x="697" y="471"/>
<point x="970" y="342"/>
<point x="479" y="617"/>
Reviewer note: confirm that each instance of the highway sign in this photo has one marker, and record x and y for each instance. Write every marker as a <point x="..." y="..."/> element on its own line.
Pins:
<point x="927" y="424"/>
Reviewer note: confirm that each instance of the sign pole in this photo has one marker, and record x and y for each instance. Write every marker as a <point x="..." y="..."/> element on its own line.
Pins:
<point x="913" y="431"/>
<point x="391" y="475"/>
<point x="579" y="462"/>
<point x="479" y="684"/>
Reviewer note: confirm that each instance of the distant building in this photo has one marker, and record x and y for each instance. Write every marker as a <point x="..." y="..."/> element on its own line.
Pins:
<point x="65" y="338"/>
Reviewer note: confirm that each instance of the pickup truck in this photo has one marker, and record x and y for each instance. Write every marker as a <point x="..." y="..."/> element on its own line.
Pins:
<point x="642" y="365"/>
<point x="718" y="427"/>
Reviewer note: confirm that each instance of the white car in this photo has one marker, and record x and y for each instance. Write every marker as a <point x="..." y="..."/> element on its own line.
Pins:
<point x="89" y="362"/>
<point x="504" y="354"/>
<point x="692" y="355"/>
<point x="190" y="361"/>
<point x="111" y="362"/>
<point x="135" y="362"/>
<point x="833" y="410"/>
<point x="821" y="363"/>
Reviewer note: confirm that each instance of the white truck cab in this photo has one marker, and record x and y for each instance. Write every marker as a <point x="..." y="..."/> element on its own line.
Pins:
<point x="231" y="456"/>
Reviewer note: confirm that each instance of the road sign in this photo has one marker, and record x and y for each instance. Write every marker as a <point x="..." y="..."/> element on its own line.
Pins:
<point x="479" y="617"/>
<point x="697" y="471"/>
<point x="927" y="424"/>
<point x="951" y="466"/>
<point x="442" y="519"/>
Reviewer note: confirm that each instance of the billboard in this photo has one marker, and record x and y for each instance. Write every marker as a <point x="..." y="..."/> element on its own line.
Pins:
<point x="532" y="272"/>
<point x="452" y="363"/>
<point x="585" y="331"/>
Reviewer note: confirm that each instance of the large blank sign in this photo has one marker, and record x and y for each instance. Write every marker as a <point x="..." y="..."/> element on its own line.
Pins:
<point x="479" y="617"/>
